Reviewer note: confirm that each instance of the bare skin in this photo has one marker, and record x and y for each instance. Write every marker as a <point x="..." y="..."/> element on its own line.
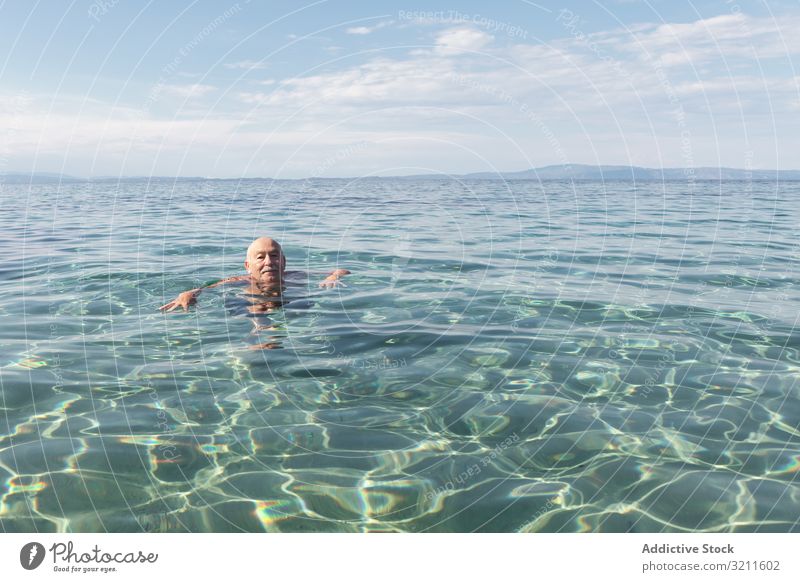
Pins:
<point x="265" y="264"/>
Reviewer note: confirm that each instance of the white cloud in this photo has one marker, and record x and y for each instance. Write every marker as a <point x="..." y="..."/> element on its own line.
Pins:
<point x="249" y="65"/>
<point x="192" y="91"/>
<point x="378" y="82"/>
<point x="359" y="30"/>
<point x="608" y="97"/>
<point x="458" y="40"/>
<point x="363" y="30"/>
<point x="715" y="39"/>
<point x="98" y="139"/>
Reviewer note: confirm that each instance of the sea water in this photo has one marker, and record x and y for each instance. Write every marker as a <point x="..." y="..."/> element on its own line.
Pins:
<point x="505" y="356"/>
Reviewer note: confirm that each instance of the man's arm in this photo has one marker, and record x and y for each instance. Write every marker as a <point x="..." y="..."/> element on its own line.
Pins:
<point x="189" y="297"/>
<point x="332" y="280"/>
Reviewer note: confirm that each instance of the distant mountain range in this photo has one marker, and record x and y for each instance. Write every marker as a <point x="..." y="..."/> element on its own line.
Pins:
<point x="35" y="178"/>
<point x="629" y="173"/>
<point x="561" y="172"/>
<point x="49" y="178"/>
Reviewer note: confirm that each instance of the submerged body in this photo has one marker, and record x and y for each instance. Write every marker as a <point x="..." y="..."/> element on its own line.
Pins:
<point x="265" y="264"/>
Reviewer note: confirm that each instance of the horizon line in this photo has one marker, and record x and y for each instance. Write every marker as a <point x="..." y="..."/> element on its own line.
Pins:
<point x="56" y="176"/>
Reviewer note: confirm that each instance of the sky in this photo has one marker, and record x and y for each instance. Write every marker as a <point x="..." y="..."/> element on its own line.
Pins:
<point x="332" y="88"/>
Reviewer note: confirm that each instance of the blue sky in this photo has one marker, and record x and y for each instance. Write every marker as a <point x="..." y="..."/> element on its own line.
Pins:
<point x="333" y="88"/>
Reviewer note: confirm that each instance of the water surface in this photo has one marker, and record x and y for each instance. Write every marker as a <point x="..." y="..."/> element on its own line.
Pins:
<point x="505" y="357"/>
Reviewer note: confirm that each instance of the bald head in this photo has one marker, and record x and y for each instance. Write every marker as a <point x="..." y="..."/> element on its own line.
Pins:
<point x="262" y="243"/>
<point x="265" y="260"/>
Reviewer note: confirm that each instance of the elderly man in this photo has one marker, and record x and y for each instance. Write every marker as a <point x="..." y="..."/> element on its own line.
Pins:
<point x="266" y="267"/>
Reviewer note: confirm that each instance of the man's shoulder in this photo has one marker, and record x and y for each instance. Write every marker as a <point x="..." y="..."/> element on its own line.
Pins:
<point x="237" y="279"/>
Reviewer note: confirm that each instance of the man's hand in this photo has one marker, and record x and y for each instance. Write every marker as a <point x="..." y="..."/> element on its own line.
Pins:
<point x="184" y="300"/>
<point x="332" y="280"/>
<point x="329" y="283"/>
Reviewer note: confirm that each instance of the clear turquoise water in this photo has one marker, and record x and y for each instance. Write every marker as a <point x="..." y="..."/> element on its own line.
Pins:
<point x="505" y="357"/>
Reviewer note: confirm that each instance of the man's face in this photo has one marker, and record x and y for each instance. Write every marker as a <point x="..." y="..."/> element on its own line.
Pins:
<point x="265" y="261"/>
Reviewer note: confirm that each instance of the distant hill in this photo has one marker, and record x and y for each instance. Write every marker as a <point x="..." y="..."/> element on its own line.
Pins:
<point x="36" y="178"/>
<point x="585" y="172"/>
<point x="562" y="172"/>
<point x="49" y="178"/>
